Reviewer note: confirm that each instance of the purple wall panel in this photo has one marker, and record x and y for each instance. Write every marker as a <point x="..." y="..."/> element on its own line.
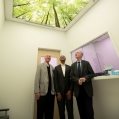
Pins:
<point x="100" y="53"/>
<point x="106" y="54"/>
<point x="90" y="55"/>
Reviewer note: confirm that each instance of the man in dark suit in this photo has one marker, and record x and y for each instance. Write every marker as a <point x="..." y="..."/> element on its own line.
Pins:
<point x="81" y="75"/>
<point x="63" y="88"/>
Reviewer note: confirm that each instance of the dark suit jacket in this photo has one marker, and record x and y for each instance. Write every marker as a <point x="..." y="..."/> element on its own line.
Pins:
<point x="87" y="72"/>
<point x="62" y="83"/>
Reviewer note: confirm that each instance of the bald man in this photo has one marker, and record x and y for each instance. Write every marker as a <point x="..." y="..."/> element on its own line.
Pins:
<point x="44" y="89"/>
<point x="81" y="75"/>
<point x="63" y="88"/>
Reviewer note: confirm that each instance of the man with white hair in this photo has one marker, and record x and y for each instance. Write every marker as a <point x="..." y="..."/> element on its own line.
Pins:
<point x="81" y="75"/>
<point x="44" y="90"/>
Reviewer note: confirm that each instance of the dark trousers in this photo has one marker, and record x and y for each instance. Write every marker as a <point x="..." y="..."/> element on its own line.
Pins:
<point x="45" y="107"/>
<point x="85" y="105"/>
<point x="69" y="106"/>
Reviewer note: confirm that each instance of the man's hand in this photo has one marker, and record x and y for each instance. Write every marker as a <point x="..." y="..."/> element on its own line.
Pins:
<point x="37" y="96"/>
<point x="59" y="96"/>
<point x="81" y="80"/>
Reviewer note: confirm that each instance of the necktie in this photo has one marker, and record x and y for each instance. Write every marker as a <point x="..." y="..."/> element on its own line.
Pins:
<point x="79" y="69"/>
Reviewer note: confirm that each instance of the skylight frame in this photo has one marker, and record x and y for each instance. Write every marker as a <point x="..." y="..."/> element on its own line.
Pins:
<point x="83" y="11"/>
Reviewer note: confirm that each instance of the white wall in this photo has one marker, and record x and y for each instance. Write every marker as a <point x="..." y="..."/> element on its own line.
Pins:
<point x="18" y="52"/>
<point x="106" y="98"/>
<point x="1" y="14"/>
<point x="101" y="18"/>
<point x="19" y="44"/>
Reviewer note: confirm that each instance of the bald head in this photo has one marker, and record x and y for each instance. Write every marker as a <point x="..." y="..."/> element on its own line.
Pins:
<point x="62" y="59"/>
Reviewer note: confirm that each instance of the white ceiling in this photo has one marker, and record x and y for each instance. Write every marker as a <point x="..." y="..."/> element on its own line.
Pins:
<point x="8" y="15"/>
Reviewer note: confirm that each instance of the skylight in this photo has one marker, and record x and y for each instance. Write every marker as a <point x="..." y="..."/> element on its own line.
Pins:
<point x="54" y="13"/>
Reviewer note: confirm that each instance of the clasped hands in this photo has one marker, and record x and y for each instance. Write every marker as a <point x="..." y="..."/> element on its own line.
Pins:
<point x="81" y="80"/>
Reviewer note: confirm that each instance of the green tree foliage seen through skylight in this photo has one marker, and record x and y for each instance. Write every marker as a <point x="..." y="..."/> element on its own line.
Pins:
<point x="57" y="13"/>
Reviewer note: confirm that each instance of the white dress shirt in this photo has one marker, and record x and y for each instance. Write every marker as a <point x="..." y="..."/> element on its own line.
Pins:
<point x="63" y="68"/>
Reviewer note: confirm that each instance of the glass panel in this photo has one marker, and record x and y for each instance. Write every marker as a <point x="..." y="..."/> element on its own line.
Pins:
<point x="55" y="13"/>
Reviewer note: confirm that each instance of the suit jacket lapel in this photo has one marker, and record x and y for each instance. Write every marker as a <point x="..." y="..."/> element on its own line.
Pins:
<point x="65" y="69"/>
<point x="60" y="68"/>
<point x="76" y="68"/>
<point x="82" y="66"/>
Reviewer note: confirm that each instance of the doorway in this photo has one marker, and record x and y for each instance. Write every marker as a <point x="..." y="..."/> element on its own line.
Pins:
<point x="55" y="54"/>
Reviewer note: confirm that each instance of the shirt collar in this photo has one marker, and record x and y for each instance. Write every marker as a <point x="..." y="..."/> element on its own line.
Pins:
<point x="47" y="64"/>
<point x="79" y="61"/>
<point x="62" y="64"/>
